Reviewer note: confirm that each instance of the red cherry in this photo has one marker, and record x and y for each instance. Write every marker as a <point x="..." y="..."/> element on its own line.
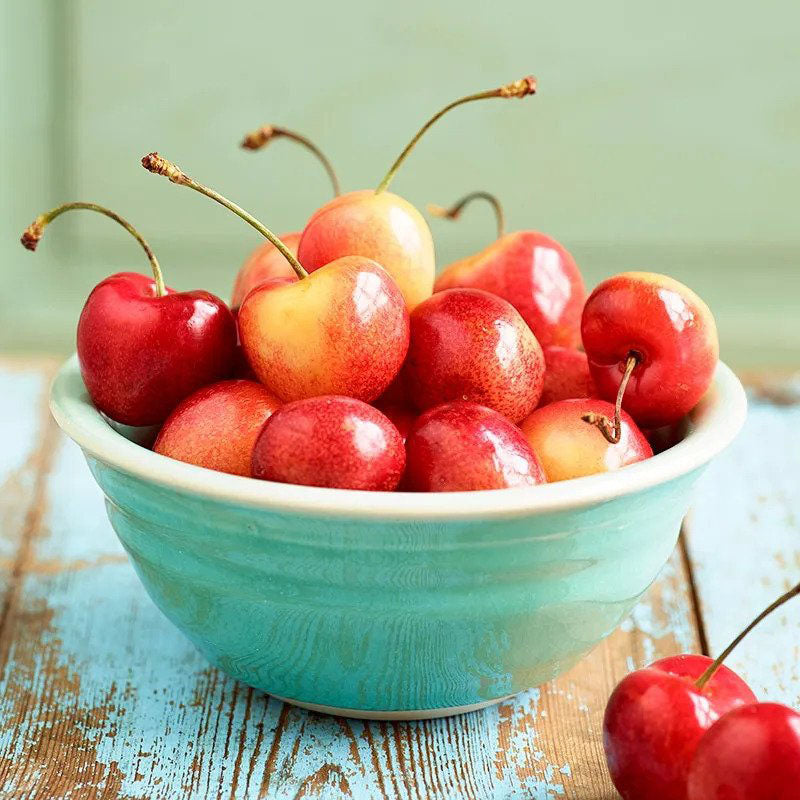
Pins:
<point x="333" y="441"/>
<point x="535" y="273"/>
<point x="669" y="331"/>
<point x="752" y="753"/>
<point x="459" y="447"/>
<point x="394" y="403"/>
<point x="470" y="345"/>
<point x="142" y="347"/>
<point x="569" y="447"/>
<point x="654" y="721"/>
<point x="217" y="426"/>
<point x="566" y="375"/>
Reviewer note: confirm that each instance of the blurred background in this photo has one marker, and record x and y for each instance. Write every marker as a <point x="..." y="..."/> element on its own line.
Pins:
<point x="664" y="137"/>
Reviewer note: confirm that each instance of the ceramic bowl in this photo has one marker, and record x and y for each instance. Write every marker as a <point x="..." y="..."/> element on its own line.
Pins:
<point x="394" y="605"/>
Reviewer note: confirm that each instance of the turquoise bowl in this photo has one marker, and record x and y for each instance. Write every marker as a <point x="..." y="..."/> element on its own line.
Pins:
<point x="394" y="605"/>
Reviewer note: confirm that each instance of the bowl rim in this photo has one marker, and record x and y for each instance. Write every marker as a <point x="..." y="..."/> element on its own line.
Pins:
<point x="714" y="423"/>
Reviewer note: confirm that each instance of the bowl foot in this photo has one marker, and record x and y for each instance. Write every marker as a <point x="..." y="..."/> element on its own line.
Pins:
<point x="425" y="713"/>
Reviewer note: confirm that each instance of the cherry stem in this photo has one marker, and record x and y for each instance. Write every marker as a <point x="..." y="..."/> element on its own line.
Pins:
<point x="34" y="232"/>
<point x="613" y="430"/>
<point x="158" y="165"/>
<point x="454" y="212"/>
<point x="266" y="133"/>
<point x="717" y="663"/>
<point x="520" y="88"/>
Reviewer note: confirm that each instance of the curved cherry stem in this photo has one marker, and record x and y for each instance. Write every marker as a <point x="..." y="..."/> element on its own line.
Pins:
<point x="454" y="212"/>
<point x="158" y="165"/>
<point x="266" y="133"/>
<point x="521" y="88"/>
<point x="717" y="663"/>
<point x="34" y="232"/>
<point x="612" y="430"/>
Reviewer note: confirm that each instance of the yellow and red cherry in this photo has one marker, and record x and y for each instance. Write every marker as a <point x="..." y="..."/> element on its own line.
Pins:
<point x="657" y="335"/>
<point x="462" y="447"/>
<point x="657" y="718"/>
<point x="752" y="753"/>
<point x="266" y="261"/>
<point x="217" y="426"/>
<point x="344" y="329"/>
<point x="467" y="344"/>
<point x="380" y="225"/>
<point x="535" y="273"/>
<point x="566" y="375"/>
<point x="143" y="347"/>
<point x="332" y="441"/>
<point x="569" y="447"/>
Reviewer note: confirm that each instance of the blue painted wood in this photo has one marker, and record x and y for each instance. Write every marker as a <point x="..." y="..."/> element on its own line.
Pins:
<point x="100" y="694"/>
<point x="744" y="542"/>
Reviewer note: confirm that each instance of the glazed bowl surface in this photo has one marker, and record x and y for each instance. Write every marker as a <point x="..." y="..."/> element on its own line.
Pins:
<point x="380" y="604"/>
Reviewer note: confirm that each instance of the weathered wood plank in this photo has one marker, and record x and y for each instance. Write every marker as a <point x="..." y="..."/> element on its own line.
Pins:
<point x="744" y="543"/>
<point x="101" y="697"/>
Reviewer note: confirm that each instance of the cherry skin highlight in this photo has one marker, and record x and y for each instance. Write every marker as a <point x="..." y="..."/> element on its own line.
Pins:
<point x="667" y="327"/>
<point x="566" y="375"/>
<point x="569" y="447"/>
<point x="655" y="718"/>
<point x="344" y="330"/>
<point x="264" y="263"/>
<point x="752" y="753"/>
<point x="536" y="274"/>
<point x="467" y="344"/>
<point x="217" y="426"/>
<point x="460" y="447"/>
<point x="141" y="354"/>
<point x="332" y="441"/>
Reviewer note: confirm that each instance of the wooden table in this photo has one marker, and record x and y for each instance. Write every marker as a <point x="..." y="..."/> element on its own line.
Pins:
<point x="101" y="697"/>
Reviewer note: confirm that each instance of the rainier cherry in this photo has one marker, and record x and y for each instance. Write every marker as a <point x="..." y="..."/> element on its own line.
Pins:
<point x="332" y="441"/>
<point x="532" y="271"/>
<point x="217" y="426"/>
<point x="143" y="347"/>
<point x="470" y="345"/>
<point x="651" y="341"/>
<point x="459" y="447"/>
<point x="342" y="330"/>
<point x="383" y="226"/>
<point x="266" y="261"/>
<point x="570" y="448"/>
<point x="656" y="717"/>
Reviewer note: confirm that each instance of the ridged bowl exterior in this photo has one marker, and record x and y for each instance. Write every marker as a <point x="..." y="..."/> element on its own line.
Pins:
<point x="384" y="612"/>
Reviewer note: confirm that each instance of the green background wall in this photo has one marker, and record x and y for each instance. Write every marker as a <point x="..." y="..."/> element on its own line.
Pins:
<point x="665" y="136"/>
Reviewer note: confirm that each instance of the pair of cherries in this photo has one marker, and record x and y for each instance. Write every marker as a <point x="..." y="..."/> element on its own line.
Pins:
<point x="327" y="319"/>
<point x="689" y="728"/>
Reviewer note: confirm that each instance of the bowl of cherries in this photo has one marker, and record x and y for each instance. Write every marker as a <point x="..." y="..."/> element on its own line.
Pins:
<point x="369" y="490"/>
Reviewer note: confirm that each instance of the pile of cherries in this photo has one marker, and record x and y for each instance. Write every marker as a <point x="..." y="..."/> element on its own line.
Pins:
<point x="344" y="362"/>
<point x="689" y="728"/>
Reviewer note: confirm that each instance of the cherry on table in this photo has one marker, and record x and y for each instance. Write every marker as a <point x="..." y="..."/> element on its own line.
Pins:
<point x="751" y="753"/>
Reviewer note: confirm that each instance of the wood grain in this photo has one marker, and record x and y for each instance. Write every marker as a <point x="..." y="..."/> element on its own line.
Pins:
<point x="744" y="540"/>
<point x="101" y="697"/>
